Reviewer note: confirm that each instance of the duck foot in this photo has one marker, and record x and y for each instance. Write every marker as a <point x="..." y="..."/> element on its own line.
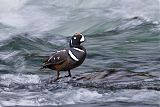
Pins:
<point x="50" y="81"/>
<point x="67" y="76"/>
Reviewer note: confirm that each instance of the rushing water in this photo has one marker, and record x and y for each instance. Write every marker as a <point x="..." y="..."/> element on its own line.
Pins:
<point x="121" y="34"/>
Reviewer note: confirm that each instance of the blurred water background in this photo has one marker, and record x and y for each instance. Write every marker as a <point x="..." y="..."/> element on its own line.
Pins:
<point x="121" y="34"/>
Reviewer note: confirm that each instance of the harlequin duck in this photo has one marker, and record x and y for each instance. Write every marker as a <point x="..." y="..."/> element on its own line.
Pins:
<point x="67" y="59"/>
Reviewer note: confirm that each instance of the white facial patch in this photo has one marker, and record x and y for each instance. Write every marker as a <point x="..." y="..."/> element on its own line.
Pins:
<point x="82" y="39"/>
<point x="74" y="38"/>
<point x="80" y="50"/>
<point x="72" y="56"/>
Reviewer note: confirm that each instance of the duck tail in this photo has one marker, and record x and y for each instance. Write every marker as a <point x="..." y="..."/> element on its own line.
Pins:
<point x="43" y="67"/>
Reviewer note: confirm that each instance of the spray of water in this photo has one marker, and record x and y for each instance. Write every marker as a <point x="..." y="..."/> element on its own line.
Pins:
<point x="58" y="14"/>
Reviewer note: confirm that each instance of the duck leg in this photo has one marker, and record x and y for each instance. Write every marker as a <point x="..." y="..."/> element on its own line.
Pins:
<point x="57" y="76"/>
<point x="50" y="81"/>
<point x="69" y="74"/>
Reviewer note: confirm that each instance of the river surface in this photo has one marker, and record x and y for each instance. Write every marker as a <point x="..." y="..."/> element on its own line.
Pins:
<point x="121" y="35"/>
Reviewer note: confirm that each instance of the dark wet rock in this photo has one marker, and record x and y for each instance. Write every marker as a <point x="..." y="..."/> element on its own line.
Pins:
<point x="116" y="79"/>
<point x="113" y="75"/>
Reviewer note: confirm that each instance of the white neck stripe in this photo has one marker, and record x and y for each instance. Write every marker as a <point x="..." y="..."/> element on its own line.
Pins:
<point x="79" y="49"/>
<point x="71" y="42"/>
<point x="72" y="56"/>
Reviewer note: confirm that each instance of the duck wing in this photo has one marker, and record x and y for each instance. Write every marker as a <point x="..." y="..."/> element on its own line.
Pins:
<point x="56" y="58"/>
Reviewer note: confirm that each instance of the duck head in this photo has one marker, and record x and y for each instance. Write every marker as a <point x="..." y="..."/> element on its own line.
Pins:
<point x="77" y="39"/>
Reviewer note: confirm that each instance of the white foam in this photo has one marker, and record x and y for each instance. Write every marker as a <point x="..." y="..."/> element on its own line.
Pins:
<point x="149" y="96"/>
<point x="10" y="5"/>
<point x="62" y="16"/>
<point x="77" y="96"/>
<point x="23" y="17"/>
<point x="80" y="95"/>
<point x="9" y="12"/>
<point x="70" y="96"/>
<point x="8" y="79"/>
